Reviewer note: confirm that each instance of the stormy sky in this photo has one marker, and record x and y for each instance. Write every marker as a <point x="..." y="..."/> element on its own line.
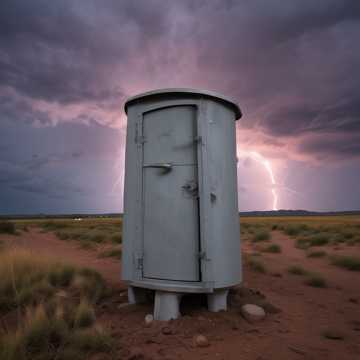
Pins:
<point x="66" y="68"/>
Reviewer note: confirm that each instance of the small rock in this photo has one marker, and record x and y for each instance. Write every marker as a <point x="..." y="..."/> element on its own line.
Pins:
<point x="277" y="275"/>
<point x="252" y="313"/>
<point x="149" y="318"/>
<point x="166" y="330"/>
<point x="353" y="300"/>
<point x="201" y="341"/>
<point x="136" y="354"/>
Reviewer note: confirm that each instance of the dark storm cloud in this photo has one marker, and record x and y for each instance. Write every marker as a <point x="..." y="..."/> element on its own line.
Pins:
<point x="64" y="51"/>
<point x="67" y="66"/>
<point x="330" y="147"/>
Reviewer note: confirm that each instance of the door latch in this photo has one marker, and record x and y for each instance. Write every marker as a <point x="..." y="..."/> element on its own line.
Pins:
<point x="191" y="188"/>
<point x="140" y="263"/>
<point x="166" y="167"/>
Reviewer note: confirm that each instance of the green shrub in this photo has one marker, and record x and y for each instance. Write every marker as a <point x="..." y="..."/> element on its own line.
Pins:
<point x="116" y="238"/>
<point x="316" y="281"/>
<point x="302" y="243"/>
<point x="62" y="235"/>
<point x="351" y="263"/>
<point x="256" y="266"/>
<point x="87" y="245"/>
<point x="91" y="285"/>
<point x="84" y="315"/>
<point x="61" y="275"/>
<point x="91" y="340"/>
<point x="316" y="254"/>
<point x="261" y="235"/>
<point x="115" y="252"/>
<point x="319" y="240"/>
<point x="273" y="248"/>
<point x="296" y="270"/>
<point x="97" y="237"/>
<point x="294" y="230"/>
<point x="7" y="227"/>
<point x="50" y="337"/>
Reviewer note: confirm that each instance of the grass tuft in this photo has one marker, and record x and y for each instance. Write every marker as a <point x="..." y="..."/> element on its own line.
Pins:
<point x="273" y="248"/>
<point x="296" y="270"/>
<point x="261" y="235"/>
<point x="115" y="252"/>
<point x="257" y="266"/>
<point x="319" y="239"/>
<point x="295" y="229"/>
<point x="315" y="280"/>
<point x="351" y="263"/>
<point x="7" y="227"/>
<point x="84" y="315"/>
<point x="316" y="254"/>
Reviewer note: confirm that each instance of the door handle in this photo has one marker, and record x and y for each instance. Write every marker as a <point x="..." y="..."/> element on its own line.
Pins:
<point x="167" y="167"/>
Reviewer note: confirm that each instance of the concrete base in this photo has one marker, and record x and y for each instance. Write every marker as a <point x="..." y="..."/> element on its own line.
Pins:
<point x="136" y="295"/>
<point x="167" y="305"/>
<point x="217" y="301"/>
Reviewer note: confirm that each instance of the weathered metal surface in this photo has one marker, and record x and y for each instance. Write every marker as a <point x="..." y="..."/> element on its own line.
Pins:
<point x="181" y="224"/>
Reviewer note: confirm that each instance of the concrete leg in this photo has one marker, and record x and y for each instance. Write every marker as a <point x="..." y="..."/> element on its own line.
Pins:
<point x="217" y="301"/>
<point x="136" y="295"/>
<point x="167" y="305"/>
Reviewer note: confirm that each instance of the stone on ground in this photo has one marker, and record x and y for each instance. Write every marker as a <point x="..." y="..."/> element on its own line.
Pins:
<point x="201" y="341"/>
<point x="252" y="313"/>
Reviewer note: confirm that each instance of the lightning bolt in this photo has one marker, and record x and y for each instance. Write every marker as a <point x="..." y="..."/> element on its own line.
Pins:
<point x="267" y="165"/>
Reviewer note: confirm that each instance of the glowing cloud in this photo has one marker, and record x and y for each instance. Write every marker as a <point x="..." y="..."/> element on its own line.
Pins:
<point x="267" y="165"/>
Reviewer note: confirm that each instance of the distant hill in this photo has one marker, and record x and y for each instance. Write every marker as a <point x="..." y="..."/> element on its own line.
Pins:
<point x="242" y="213"/>
<point x="298" y="213"/>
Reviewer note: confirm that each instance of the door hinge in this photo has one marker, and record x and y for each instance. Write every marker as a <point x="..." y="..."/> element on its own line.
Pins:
<point x="140" y="139"/>
<point x="140" y="263"/>
<point x="202" y="255"/>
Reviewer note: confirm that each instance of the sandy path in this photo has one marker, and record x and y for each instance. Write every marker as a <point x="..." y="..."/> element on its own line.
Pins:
<point x="295" y="333"/>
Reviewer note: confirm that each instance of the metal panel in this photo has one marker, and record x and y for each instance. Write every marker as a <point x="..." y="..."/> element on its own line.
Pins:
<point x="158" y="241"/>
<point x="170" y="204"/>
<point x="171" y="235"/>
<point x="169" y="135"/>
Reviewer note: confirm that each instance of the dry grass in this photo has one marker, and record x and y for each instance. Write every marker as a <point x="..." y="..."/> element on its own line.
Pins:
<point x="115" y="252"/>
<point x="316" y="280"/>
<point x="272" y="248"/>
<point x="297" y="270"/>
<point x="351" y="263"/>
<point x="50" y="327"/>
<point x="256" y="265"/>
<point x="28" y="279"/>
<point x="316" y="254"/>
<point x="7" y="227"/>
<point x="261" y="235"/>
<point x="88" y="232"/>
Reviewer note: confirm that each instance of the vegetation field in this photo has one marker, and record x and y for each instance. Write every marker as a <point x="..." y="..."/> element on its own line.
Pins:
<point x="61" y="294"/>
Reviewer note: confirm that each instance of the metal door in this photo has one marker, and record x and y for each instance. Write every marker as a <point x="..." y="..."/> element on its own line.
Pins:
<point x="170" y="196"/>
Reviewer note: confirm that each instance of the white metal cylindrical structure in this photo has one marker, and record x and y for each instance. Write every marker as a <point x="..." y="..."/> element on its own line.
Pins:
<point x="181" y="223"/>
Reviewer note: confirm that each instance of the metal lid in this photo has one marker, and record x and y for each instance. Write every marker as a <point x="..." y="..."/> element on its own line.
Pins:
<point x="204" y="93"/>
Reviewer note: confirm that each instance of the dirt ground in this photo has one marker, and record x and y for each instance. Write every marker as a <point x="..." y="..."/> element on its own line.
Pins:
<point x="293" y="328"/>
